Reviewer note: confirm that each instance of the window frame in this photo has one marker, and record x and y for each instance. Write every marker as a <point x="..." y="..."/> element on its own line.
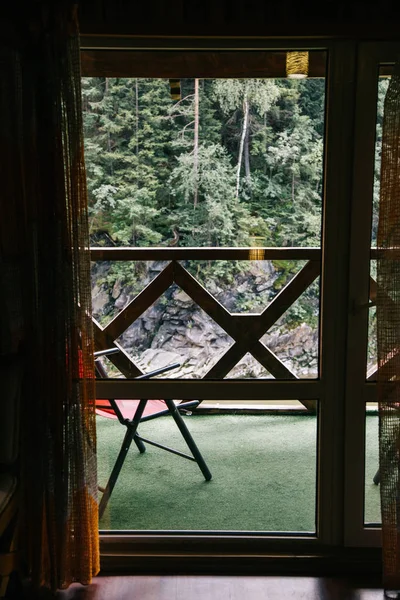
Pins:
<point x="343" y="145"/>
<point x="359" y="391"/>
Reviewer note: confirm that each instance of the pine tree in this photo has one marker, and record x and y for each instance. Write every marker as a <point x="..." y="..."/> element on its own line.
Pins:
<point x="127" y="139"/>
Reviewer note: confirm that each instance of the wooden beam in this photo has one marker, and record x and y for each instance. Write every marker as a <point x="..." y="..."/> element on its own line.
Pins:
<point x="247" y="336"/>
<point x="246" y="329"/>
<point x="387" y="253"/>
<point x="205" y="389"/>
<point x="226" y="363"/>
<point x="140" y="304"/>
<point x="121" y="360"/>
<point x="246" y="253"/>
<point x="271" y="362"/>
<point x="124" y="363"/>
<point x="276" y="367"/>
<point x="188" y="63"/>
<point x="204" y="299"/>
<point x="387" y="369"/>
<point x="372" y="374"/>
<point x="289" y="294"/>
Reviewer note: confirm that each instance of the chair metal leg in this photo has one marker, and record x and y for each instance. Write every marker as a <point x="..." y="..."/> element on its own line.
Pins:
<point x="116" y="470"/>
<point x="129" y="436"/>
<point x="140" y="446"/>
<point x="377" y="477"/>
<point x="188" y="439"/>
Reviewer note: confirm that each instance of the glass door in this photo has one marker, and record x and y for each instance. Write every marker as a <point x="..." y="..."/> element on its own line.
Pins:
<point x="302" y="282"/>
<point x="362" y="499"/>
<point x="210" y="193"/>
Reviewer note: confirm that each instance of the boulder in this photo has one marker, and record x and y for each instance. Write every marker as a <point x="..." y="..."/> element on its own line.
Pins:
<point x="100" y="299"/>
<point x="152" y="359"/>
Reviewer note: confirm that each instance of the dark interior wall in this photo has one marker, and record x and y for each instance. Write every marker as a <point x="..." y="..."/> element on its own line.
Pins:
<point x="351" y="18"/>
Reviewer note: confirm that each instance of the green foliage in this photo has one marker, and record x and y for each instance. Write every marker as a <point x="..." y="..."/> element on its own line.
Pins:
<point x="218" y="219"/>
<point x="231" y="93"/>
<point x="126" y="133"/>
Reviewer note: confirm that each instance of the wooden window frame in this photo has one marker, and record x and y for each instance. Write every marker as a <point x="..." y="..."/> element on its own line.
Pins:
<point x="344" y="155"/>
<point x="359" y="391"/>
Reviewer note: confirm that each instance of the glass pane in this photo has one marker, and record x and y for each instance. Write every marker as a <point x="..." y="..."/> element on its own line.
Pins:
<point x="372" y="357"/>
<point x="230" y="162"/>
<point x="372" y="351"/>
<point x="263" y="474"/>
<point x="372" y="507"/>
<point x="372" y="514"/>
<point x="383" y="84"/>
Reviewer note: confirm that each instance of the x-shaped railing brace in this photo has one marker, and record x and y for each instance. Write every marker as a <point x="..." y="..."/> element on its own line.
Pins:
<point x="246" y="330"/>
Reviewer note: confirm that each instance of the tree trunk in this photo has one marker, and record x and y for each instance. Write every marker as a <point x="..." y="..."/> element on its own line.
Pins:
<point x="109" y="134"/>
<point x="247" y="154"/>
<point x="137" y="115"/>
<point x="265" y="162"/>
<point x="242" y="139"/>
<point x="196" y="143"/>
<point x="293" y="187"/>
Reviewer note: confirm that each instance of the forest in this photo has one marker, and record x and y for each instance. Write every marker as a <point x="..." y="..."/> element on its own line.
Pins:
<point x="230" y="162"/>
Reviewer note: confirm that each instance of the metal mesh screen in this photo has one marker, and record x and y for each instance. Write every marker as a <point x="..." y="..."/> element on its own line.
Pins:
<point x="388" y="333"/>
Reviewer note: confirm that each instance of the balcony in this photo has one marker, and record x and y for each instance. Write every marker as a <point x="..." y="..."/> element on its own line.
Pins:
<point x="261" y="449"/>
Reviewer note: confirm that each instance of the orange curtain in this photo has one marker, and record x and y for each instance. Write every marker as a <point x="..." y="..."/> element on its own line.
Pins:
<point x="45" y="246"/>
<point x="388" y="334"/>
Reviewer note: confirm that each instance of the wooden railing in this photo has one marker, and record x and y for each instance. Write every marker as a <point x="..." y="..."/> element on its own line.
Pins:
<point x="373" y="292"/>
<point x="245" y="329"/>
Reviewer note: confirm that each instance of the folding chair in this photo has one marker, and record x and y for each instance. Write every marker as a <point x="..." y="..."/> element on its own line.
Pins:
<point x="131" y="413"/>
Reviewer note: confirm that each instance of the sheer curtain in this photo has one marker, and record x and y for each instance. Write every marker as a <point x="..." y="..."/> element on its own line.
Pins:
<point x="44" y="248"/>
<point x="388" y="334"/>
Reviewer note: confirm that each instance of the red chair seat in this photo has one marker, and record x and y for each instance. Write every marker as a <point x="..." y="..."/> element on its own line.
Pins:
<point x="128" y="408"/>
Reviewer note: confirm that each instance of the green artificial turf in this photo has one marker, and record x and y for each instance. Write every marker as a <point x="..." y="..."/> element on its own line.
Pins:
<point x="372" y="499"/>
<point x="263" y="467"/>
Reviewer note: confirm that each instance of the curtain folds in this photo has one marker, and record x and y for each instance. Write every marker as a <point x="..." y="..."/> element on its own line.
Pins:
<point x="44" y="246"/>
<point x="388" y="333"/>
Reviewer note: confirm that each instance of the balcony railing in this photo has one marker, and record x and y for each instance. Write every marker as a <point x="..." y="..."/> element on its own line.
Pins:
<point x="245" y="329"/>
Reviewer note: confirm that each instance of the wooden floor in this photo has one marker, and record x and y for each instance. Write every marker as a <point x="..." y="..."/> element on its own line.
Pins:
<point x="223" y="588"/>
